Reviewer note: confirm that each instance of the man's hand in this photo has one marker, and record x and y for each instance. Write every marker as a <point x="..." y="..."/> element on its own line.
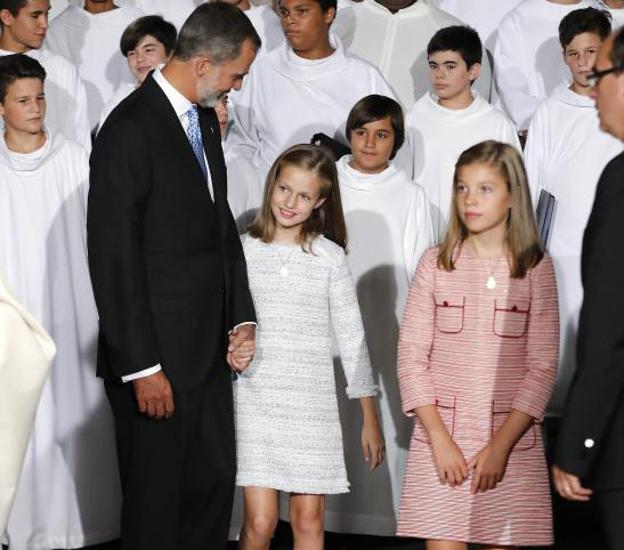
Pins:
<point x="154" y="396"/>
<point x="569" y="486"/>
<point x="241" y="347"/>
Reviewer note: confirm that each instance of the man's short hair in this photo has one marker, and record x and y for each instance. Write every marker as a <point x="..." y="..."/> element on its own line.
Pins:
<point x="13" y="6"/>
<point x="216" y="30"/>
<point x="377" y="107"/>
<point x="16" y="66"/>
<point x="617" y="52"/>
<point x="584" y="20"/>
<point x="458" y="38"/>
<point x="150" y="25"/>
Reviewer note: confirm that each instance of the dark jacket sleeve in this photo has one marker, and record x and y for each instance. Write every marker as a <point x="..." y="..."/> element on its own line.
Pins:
<point x="119" y="189"/>
<point x="598" y="385"/>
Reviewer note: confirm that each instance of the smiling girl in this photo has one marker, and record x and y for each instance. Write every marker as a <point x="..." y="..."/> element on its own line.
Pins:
<point x="477" y="362"/>
<point x="288" y="430"/>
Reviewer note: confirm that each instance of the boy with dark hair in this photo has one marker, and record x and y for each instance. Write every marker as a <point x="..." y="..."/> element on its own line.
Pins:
<point x="565" y="154"/>
<point x="99" y="24"/>
<point x="23" y="28"/>
<point x="146" y="43"/>
<point x="43" y="185"/>
<point x="450" y="118"/>
<point x="389" y="227"/>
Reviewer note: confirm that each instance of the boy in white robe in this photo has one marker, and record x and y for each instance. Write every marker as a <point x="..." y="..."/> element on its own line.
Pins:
<point x="68" y="495"/>
<point x="23" y="27"/>
<point x="565" y="154"/>
<point x="305" y="86"/>
<point x="89" y="36"/>
<point x="451" y="118"/>
<point x="484" y="16"/>
<point x="527" y="56"/>
<point x="146" y="44"/>
<point x="389" y="227"/>
<point x="393" y="35"/>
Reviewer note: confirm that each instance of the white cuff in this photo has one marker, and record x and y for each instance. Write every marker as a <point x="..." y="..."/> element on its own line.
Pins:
<point x="141" y="374"/>
<point x="245" y="323"/>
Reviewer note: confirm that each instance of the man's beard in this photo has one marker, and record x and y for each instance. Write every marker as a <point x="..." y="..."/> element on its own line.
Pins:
<point x="207" y="96"/>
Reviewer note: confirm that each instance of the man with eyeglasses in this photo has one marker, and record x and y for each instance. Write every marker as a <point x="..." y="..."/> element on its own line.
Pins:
<point x="590" y="455"/>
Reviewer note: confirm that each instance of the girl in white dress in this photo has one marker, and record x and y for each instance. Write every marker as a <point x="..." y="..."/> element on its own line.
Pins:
<point x="288" y="428"/>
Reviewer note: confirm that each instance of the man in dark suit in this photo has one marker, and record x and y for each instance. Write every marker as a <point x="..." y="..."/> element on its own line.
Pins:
<point x="170" y="282"/>
<point x="590" y="454"/>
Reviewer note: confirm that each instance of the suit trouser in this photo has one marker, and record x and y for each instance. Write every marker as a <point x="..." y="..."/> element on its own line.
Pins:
<point x="611" y="505"/>
<point x="177" y="475"/>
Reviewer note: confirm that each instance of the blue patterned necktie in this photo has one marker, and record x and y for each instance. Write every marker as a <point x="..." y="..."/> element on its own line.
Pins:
<point x="195" y="137"/>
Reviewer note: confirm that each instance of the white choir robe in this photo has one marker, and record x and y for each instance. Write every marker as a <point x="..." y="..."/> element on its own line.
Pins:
<point x="528" y="57"/>
<point x="286" y="99"/>
<point x="69" y="493"/>
<point x="174" y="11"/>
<point x="482" y="15"/>
<point x="389" y="227"/>
<point x="267" y="25"/>
<point x="244" y="188"/>
<point x="397" y="43"/>
<point x="66" y="98"/>
<point x="565" y="154"/>
<point x="121" y="93"/>
<point x="91" y="42"/>
<point x="436" y="136"/>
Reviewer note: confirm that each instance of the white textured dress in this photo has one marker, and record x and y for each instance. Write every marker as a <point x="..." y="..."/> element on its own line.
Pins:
<point x="288" y="428"/>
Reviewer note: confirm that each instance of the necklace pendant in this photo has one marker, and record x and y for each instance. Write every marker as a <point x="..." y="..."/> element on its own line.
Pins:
<point x="284" y="271"/>
<point x="491" y="282"/>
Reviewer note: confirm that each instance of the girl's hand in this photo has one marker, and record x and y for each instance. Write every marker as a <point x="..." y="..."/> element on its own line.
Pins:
<point x="450" y="461"/>
<point x="373" y="443"/>
<point x="488" y="467"/>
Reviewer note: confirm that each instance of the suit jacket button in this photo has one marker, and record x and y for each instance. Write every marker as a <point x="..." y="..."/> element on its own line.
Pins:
<point x="589" y="443"/>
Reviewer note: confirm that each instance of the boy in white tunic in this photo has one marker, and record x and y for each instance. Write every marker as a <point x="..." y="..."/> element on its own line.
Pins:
<point x="68" y="495"/>
<point x="393" y="35"/>
<point x="23" y="27"/>
<point x="89" y="36"/>
<point x="451" y="118"/>
<point x="565" y="154"/>
<point x="389" y="227"/>
<point x="146" y="43"/>
<point x="528" y="58"/>
<point x="306" y="86"/>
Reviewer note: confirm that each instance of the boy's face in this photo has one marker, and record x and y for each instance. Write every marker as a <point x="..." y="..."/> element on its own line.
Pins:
<point x="148" y="54"/>
<point x="24" y="106"/>
<point x="305" y="24"/>
<point x="27" y="30"/>
<point x="371" y="146"/>
<point x="580" y="56"/>
<point x="449" y="75"/>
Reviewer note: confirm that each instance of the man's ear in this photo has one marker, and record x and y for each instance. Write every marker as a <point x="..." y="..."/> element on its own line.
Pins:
<point x="6" y="18"/>
<point x="474" y="71"/>
<point x="202" y="65"/>
<point x="329" y="16"/>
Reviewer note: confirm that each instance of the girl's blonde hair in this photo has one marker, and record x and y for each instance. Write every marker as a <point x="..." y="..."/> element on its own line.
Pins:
<point x="521" y="238"/>
<point x="328" y="218"/>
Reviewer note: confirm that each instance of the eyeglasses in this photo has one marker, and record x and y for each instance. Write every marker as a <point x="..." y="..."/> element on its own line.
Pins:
<point x="594" y="77"/>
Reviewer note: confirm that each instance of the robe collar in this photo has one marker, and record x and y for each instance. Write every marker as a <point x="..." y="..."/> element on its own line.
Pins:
<point x="285" y="61"/>
<point x="563" y="94"/>
<point x="76" y="16"/>
<point x="353" y="179"/>
<point x="420" y="8"/>
<point x="429" y="102"/>
<point x="41" y="54"/>
<point x="30" y="162"/>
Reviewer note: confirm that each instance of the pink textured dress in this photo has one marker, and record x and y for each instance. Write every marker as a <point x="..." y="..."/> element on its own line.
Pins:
<point x="476" y="353"/>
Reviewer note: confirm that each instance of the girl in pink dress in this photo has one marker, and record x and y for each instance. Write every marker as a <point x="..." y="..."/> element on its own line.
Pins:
<point x="478" y="350"/>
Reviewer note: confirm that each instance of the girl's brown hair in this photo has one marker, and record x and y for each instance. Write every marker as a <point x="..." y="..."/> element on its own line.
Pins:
<point x="522" y="240"/>
<point x="328" y="218"/>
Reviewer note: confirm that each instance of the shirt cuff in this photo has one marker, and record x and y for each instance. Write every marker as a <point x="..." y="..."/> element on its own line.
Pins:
<point x="141" y="374"/>
<point x="245" y="323"/>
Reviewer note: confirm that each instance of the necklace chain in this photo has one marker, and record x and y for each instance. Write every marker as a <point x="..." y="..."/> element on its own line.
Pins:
<point x="283" y="263"/>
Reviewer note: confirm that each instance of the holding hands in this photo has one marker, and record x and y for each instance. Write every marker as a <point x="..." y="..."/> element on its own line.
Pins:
<point x="241" y="346"/>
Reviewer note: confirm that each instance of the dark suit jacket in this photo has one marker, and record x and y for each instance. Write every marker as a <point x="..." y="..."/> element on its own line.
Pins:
<point x="591" y="441"/>
<point x="167" y="266"/>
